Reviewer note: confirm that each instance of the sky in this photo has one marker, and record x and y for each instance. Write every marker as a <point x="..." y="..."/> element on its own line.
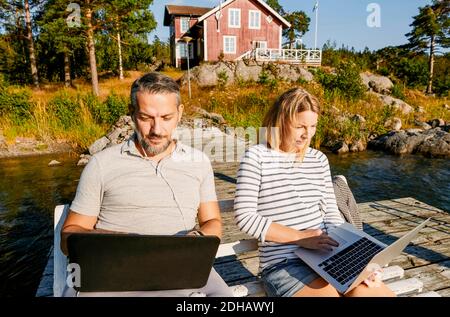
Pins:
<point x="342" y="21"/>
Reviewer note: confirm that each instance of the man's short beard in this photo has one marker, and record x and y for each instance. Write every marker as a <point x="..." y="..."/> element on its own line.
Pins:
<point x="151" y="150"/>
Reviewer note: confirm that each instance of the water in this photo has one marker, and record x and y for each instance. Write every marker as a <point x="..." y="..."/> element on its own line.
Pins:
<point x="29" y="191"/>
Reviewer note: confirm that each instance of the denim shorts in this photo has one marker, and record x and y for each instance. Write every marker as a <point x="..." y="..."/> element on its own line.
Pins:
<point x="287" y="277"/>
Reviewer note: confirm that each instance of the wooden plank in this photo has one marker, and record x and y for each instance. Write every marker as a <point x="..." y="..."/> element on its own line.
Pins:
<point x="406" y="287"/>
<point x="237" y="247"/>
<point x="434" y="276"/>
<point x="444" y="292"/>
<point x="428" y="294"/>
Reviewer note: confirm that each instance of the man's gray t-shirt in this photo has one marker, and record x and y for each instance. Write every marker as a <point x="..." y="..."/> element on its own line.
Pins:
<point x="129" y="193"/>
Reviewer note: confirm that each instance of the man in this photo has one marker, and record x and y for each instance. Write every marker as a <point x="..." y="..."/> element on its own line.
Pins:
<point x="151" y="184"/>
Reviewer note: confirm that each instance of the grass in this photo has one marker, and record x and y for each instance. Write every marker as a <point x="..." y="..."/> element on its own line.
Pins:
<point x="74" y="115"/>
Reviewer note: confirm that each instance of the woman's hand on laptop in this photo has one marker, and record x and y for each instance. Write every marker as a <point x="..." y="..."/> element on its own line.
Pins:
<point x="316" y="239"/>
<point x="374" y="279"/>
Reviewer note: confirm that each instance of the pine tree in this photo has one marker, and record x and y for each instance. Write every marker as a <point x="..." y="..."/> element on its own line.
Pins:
<point x="129" y="18"/>
<point x="430" y="32"/>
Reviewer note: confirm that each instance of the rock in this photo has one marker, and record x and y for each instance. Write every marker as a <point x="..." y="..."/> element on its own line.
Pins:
<point x="420" y="110"/>
<point x="248" y="72"/>
<point x="305" y="74"/>
<point x="377" y="83"/>
<point x="358" y="118"/>
<point x="218" y="118"/>
<point x="437" y="123"/>
<point x="438" y="145"/>
<point x="423" y="125"/>
<point x="434" y="142"/>
<point x="206" y="75"/>
<point x="340" y="148"/>
<point x="98" y="145"/>
<point x="398" y="104"/>
<point x="84" y="159"/>
<point x="54" y="163"/>
<point x="114" y="134"/>
<point x="358" y="146"/>
<point x="287" y="72"/>
<point x="201" y="112"/>
<point x="393" y="124"/>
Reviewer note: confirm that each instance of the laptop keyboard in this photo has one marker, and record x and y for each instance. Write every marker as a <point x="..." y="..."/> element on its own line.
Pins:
<point x="348" y="263"/>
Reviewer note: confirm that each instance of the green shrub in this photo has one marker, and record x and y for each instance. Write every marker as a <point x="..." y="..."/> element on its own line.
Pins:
<point x="117" y="106"/>
<point x="98" y="110"/>
<point x="66" y="109"/>
<point x="346" y="82"/>
<point x="15" y="104"/>
<point x="222" y="79"/>
<point x="398" y="91"/>
<point x="263" y="78"/>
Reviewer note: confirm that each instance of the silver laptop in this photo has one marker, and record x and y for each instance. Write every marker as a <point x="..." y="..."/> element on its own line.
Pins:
<point x="356" y="257"/>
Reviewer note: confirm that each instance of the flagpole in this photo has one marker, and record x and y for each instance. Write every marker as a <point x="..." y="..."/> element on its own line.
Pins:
<point x="317" y="20"/>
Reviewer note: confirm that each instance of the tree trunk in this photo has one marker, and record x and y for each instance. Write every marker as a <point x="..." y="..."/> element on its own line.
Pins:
<point x="34" y="72"/>
<point x="120" y="55"/>
<point x="91" y="49"/>
<point x="67" y="79"/>
<point x="431" y="65"/>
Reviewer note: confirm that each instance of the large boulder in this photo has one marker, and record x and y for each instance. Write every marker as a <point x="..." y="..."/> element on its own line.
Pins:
<point x="377" y="83"/>
<point x="290" y="72"/>
<point x="305" y="74"/>
<point x="393" y="124"/>
<point x="205" y="75"/>
<point x="248" y="72"/>
<point x="398" y="104"/>
<point x="98" y="145"/>
<point x="433" y="142"/>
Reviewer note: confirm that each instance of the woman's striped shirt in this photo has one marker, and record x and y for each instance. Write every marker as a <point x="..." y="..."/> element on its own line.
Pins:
<point x="273" y="187"/>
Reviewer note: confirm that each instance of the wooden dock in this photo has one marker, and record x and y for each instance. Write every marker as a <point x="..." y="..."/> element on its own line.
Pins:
<point x="427" y="258"/>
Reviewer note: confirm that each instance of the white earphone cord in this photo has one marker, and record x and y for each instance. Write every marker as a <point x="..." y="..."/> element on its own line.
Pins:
<point x="173" y="193"/>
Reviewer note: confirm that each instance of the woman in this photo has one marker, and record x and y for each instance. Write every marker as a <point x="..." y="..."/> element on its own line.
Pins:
<point x="285" y="198"/>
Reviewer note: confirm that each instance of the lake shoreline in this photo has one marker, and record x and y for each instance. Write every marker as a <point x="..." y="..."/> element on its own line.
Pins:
<point x="24" y="147"/>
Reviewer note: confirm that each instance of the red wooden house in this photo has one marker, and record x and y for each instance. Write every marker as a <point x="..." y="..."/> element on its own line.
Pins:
<point x="231" y="30"/>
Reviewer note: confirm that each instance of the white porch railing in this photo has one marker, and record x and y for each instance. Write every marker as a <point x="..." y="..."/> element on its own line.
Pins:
<point x="294" y="56"/>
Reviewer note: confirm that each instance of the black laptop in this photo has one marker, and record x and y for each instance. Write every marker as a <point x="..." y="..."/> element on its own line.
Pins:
<point x="122" y="262"/>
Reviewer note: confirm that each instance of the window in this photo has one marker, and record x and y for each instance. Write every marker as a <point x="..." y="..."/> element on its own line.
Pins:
<point x="229" y="44"/>
<point x="234" y="18"/>
<point x="254" y="19"/>
<point x="184" y="25"/>
<point x="260" y="44"/>
<point x="182" y="53"/>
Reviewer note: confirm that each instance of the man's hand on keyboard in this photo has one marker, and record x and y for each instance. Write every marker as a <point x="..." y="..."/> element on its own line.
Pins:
<point x="317" y="239"/>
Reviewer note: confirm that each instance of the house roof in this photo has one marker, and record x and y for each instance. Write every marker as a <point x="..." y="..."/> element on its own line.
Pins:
<point x="183" y="11"/>
<point x="261" y="2"/>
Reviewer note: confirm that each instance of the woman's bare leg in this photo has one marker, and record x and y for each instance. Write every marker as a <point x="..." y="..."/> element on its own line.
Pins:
<point x="317" y="288"/>
<point x="363" y="291"/>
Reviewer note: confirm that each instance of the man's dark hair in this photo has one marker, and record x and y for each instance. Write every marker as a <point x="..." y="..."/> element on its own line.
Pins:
<point x="154" y="83"/>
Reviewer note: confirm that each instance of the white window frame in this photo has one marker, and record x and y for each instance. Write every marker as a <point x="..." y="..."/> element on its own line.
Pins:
<point x="182" y="52"/>
<point x="237" y="26"/>
<point x="258" y="20"/>
<point x="186" y="19"/>
<point x="261" y="42"/>
<point x="225" y="38"/>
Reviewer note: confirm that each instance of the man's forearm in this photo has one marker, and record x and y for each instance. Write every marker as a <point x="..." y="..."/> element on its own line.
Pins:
<point x="76" y="229"/>
<point x="66" y="232"/>
<point x="212" y="227"/>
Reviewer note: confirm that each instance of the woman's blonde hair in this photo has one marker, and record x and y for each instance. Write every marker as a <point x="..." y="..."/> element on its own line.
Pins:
<point x="278" y="121"/>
